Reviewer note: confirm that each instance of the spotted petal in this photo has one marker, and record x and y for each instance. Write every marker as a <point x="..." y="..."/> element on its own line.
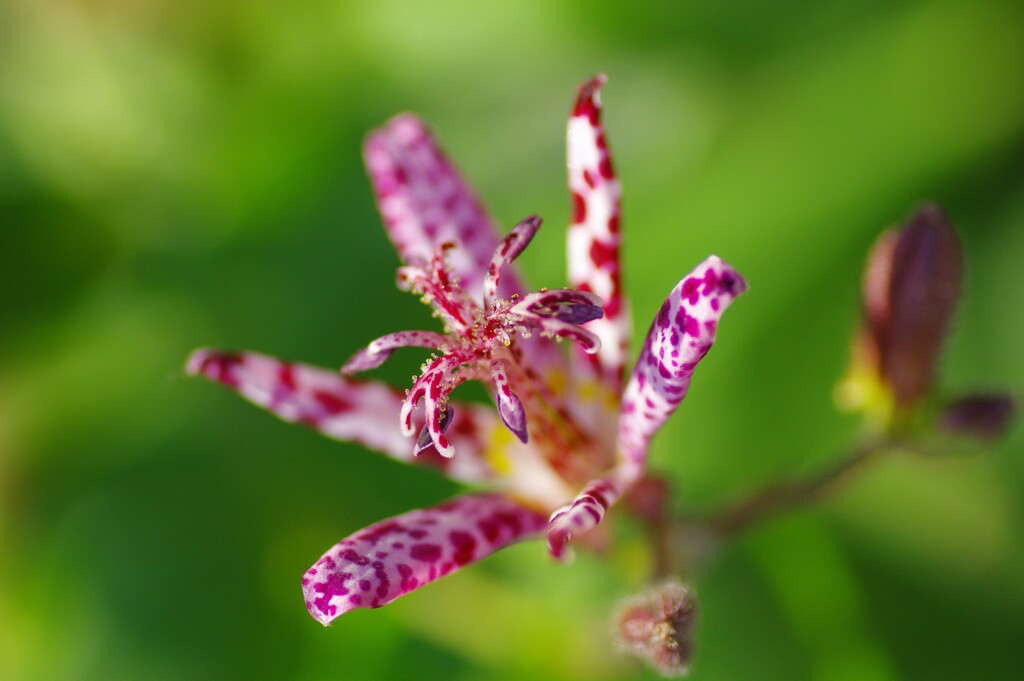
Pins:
<point x="389" y="559"/>
<point x="424" y="203"/>
<point x="682" y="333"/>
<point x="594" y="235"/>
<point x="585" y="511"/>
<point x="347" y="410"/>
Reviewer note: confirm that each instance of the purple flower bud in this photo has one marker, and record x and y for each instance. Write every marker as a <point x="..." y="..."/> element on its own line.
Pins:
<point x="911" y="286"/>
<point x="658" y="627"/>
<point x="985" y="416"/>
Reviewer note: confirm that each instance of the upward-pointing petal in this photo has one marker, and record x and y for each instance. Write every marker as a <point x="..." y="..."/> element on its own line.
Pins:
<point x="681" y="334"/>
<point x="425" y="202"/>
<point x="594" y="235"/>
<point x="376" y="565"/>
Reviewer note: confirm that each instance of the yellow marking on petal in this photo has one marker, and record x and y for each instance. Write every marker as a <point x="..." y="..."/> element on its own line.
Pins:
<point x="496" y="454"/>
<point x="592" y="390"/>
<point x="557" y="382"/>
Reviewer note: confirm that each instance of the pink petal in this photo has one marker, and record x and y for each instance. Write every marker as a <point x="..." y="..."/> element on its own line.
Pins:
<point x="347" y="410"/>
<point x="376" y="565"/>
<point x="585" y="511"/>
<point x="594" y="235"/>
<point x="681" y="334"/>
<point x="424" y="202"/>
<point x="378" y="351"/>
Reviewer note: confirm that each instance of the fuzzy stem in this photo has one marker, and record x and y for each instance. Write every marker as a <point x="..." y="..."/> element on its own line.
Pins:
<point x="784" y="496"/>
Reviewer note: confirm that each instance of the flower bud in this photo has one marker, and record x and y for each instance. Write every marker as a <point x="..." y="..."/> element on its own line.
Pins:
<point x="984" y="416"/>
<point x="910" y="288"/>
<point x="658" y="626"/>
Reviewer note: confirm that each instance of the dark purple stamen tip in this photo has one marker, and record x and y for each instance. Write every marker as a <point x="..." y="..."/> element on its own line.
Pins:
<point x="424" y="441"/>
<point x="572" y="313"/>
<point x="513" y="415"/>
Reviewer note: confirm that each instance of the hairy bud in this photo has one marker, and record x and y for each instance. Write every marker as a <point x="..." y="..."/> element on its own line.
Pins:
<point x="658" y="626"/>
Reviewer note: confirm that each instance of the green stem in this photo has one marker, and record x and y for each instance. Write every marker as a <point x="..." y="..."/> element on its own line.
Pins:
<point x="782" y="497"/>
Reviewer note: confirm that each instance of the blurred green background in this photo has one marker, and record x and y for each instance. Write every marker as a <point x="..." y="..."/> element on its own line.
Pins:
<point x="182" y="174"/>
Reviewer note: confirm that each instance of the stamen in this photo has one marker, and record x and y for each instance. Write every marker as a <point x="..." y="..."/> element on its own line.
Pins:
<point x="510" y="408"/>
<point x="424" y="441"/>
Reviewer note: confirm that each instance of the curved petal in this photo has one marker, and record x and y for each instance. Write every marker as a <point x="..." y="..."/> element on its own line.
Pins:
<point x="347" y="410"/>
<point x="510" y="248"/>
<point x="378" y="351"/>
<point x="585" y="511"/>
<point x="594" y="236"/>
<point x="389" y="559"/>
<point x="424" y="203"/>
<point x="681" y="334"/>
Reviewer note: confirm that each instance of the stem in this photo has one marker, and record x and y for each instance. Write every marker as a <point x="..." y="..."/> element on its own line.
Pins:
<point x="781" y="497"/>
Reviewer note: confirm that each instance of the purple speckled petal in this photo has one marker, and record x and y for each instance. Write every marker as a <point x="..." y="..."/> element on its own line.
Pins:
<point x="594" y="235"/>
<point x="585" y="511"/>
<point x="514" y="243"/>
<point x="347" y="410"/>
<point x="378" y="351"/>
<point x="424" y="203"/>
<point x="389" y="559"/>
<point x="681" y="334"/>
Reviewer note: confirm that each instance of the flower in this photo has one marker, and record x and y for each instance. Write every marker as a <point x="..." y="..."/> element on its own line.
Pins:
<point x="564" y="422"/>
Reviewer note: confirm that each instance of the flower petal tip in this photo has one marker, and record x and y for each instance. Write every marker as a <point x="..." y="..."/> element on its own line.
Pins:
<point x="215" y="365"/>
<point x="588" y="102"/>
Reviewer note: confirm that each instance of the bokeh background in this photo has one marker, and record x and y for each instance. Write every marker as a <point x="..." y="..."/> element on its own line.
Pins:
<point x="181" y="174"/>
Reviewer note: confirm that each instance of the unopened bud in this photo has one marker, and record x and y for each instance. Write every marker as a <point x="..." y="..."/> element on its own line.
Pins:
<point x="984" y="416"/>
<point x="911" y="286"/>
<point x="658" y="627"/>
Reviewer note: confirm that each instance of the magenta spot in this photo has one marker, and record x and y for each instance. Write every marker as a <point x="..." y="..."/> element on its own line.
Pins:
<point x="588" y="177"/>
<point x="715" y="304"/>
<point x="579" y="208"/>
<point x="417" y="533"/>
<point x="489" y="529"/>
<point x="332" y="404"/>
<point x="353" y="556"/>
<point x="690" y="290"/>
<point x="605" y="168"/>
<point x="398" y="546"/>
<point x="603" y="254"/>
<point x="355" y="599"/>
<point x="286" y="376"/>
<point x="425" y="552"/>
<point x="364" y="585"/>
<point x="510" y="520"/>
<point x="465" y="546"/>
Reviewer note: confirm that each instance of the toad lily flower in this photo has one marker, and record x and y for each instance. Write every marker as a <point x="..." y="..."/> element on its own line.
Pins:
<point x="564" y="422"/>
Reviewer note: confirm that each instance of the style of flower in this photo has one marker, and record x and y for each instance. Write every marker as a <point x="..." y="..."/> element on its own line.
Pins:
<point x="569" y="438"/>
